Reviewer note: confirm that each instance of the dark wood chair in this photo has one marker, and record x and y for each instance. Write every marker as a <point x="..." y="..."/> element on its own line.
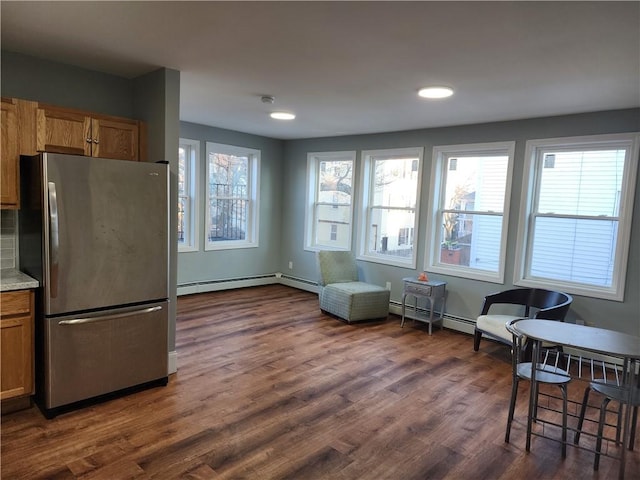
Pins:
<point x="529" y="303"/>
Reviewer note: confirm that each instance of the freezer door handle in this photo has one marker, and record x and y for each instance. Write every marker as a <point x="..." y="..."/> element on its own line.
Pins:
<point x="83" y="321"/>
<point x="55" y="238"/>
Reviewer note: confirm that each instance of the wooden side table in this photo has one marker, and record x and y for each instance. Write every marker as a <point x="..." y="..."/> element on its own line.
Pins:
<point x="432" y="291"/>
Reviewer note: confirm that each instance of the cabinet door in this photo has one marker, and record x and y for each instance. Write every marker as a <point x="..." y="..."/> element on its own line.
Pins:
<point x="16" y="344"/>
<point x="9" y="155"/>
<point x="115" y="139"/>
<point x="62" y="131"/>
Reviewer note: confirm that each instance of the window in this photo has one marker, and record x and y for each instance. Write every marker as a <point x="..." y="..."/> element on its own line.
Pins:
<point x="391" y="186"/>
<point x="188" y="161"/>
<point x="576" y="212"/>
<point x="470" y="210"/>
<point x="329" y="200"/>
<point x="232" y="197"/>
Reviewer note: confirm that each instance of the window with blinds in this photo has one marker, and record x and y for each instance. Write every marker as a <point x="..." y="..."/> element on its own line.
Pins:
<point x="578" y="214"/>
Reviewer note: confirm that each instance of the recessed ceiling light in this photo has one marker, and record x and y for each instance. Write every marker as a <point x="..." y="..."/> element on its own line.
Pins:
<point x="283" y="115"/>
<point x="435" y="92"/>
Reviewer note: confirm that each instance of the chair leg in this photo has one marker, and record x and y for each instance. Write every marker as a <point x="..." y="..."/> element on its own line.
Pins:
<point x="634" y="421"/>
<point x="564" y="420"/>
<point x="619" y="425"/>
<point x="512" y="407"/>
<point x="477" y="336"/>
<point x="603" y="415"/>
<point x="583" y="409"/>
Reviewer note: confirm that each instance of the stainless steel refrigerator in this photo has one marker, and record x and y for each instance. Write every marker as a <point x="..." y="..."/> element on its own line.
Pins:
<point x="94" y="233"/>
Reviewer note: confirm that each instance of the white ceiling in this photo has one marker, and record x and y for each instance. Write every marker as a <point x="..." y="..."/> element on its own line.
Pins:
<point x="351" y="67"/>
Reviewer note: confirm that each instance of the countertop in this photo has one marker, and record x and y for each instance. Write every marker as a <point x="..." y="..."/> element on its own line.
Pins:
<point x="12" y="279"/>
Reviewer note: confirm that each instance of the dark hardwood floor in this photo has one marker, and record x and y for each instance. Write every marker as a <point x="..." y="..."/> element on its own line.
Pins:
<point x="270" y="388"/>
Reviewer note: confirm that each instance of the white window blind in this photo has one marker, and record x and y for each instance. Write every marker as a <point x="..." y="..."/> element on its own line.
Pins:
<point x="575" y="221"/>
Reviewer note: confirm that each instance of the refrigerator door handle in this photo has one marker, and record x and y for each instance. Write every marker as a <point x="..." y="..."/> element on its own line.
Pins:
<point x="55" y="238"/>
<point x="82" y="321"/>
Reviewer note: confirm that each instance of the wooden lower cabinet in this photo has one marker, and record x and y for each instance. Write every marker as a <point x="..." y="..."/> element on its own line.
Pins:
<point x="16" y="348"/>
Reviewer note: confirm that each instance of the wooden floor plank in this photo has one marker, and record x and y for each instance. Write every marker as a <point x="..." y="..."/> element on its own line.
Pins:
<point x="268" y="387"/>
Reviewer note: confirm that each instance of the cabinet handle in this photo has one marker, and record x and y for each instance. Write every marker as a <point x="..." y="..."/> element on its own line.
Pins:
<point x="54" y="239"/>
<point x="96" y="141"/>
<point x="89" y="140"/>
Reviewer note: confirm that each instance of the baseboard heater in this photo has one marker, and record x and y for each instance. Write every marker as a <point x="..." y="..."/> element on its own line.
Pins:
<point x="227" y="284"/>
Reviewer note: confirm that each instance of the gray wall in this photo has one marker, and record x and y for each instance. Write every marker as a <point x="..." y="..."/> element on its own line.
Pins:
<point x="202" y="266"/>
<point x="65" y="85"/>
<point x="464" y="295"/>
<point x="157" y="103"/>
<point x="153" y="98"/>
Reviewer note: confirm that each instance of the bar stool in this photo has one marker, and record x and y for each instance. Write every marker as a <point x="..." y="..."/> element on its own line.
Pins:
<point x="548" y="371"/>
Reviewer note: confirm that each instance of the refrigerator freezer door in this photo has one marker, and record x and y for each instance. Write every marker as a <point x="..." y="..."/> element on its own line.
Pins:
<point x="90" y="355"/>
<point x="106" y="225"/>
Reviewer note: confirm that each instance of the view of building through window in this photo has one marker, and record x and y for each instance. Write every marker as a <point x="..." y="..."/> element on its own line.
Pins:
<point x="333" y="212"/>
<point x="471" y="218"/>
<point x="392" y="204"/>
<point x="228" y="199"/>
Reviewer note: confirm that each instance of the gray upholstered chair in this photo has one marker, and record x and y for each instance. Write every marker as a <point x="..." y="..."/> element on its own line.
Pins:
<point x="531" y="302"/>
<point x="343" y="295"/>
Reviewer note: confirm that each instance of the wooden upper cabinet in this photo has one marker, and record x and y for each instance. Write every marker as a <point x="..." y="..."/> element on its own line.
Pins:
<point x="115" y="139"/>
<point x="62" y="130"/>
<point x="9" y="155"/>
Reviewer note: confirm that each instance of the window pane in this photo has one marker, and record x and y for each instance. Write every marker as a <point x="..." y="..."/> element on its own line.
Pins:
<point x="228" y="175"/>
<point x="329" y="210"/>
<point x="182" y="199"/>
<point x="395" y="182"/>
<point x="473" y="183"/>
<point x="385" y="228"/>
<point x="581" y="182"/>
<point x="335" y="181"/>
<point x="228" y="220"/>
<point x="476" y="183"/>
<point x="574" y="250"/>
<point x="231" y="188"/>
<point x="333" y="226"/>
<point x="475" y="241"/>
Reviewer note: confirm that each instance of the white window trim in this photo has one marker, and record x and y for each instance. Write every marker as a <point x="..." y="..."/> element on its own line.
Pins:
<point x="433" y="244"/>
<point x="194" y="218"/>
<point x="251" y="240"/>
<point x="616" y="291"/>
<point x="313" y="165"/>
<point x="363" y="205"/>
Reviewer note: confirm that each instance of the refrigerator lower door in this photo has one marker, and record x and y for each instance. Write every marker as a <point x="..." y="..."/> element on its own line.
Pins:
<point x="99" y="353"/>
